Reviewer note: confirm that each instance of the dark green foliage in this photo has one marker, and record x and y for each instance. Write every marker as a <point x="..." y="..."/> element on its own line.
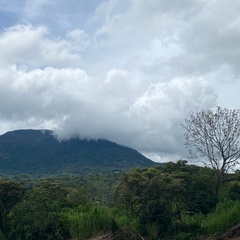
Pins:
<point x="233" y="190"/>
<point x="38" y="152"/>
<point x="147" y="193"/>
<point x="161" y="196"/>
<point x="10" y="193"/>
<point x="37" y="216"/>
<point x="82" y="188"/>
<point x="176" y="201"/>
<point x="199" y="186"/>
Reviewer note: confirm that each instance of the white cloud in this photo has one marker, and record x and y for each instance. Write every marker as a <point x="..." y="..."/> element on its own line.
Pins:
<point x="195" y="36"/>
<point x="129" y="71"/>
<point x="80" y="39"/>
<point x="115" y="107"/>
<point x="163" y="107"/>
<point x="45" y="94"/>
<point x="210" y="37"/>
<point x="28" y="46"/>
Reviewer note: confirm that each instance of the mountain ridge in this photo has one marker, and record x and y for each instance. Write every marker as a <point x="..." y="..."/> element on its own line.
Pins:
<point x="38" y="151"/>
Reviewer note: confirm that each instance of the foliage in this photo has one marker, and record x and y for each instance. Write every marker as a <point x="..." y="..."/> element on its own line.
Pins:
<point x="231" y="190"/>
<point x="37" y="216"/>
<point x="225" y="215"/>
<point x="199" y="185"/>
<point x="82" y="188"/>
<point x="39" y="152"/>
<point x="87" y="220"/>
<point x="91" y="220"/>
<point x="146" y="194"/>
<point x="10" y="193"/>
<point x="175" y="201"/>
<point x="160" y="196"/>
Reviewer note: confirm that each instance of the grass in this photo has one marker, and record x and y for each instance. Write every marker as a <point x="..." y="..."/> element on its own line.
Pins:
<point x="225" y="215"/>
<point x="90" y="220"/>
<point x="87" y="221"/>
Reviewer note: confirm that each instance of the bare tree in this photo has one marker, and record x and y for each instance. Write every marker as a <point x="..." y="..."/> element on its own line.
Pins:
<point x="214" y="138"/>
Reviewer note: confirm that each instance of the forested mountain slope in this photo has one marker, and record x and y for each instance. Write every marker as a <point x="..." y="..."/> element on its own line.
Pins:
<point x="36" y="151"/>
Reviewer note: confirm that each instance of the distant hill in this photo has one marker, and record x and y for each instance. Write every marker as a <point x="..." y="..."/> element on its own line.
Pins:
<point x="39" y="152"/>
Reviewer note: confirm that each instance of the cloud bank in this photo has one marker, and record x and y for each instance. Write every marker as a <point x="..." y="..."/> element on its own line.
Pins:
<point x="130" y="72"/>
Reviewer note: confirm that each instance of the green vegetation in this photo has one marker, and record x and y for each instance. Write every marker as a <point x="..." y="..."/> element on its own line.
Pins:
<point x="225" y="215"/>
<point x="39" y="153"/>
<point x="37" y="216"/>
<point x="176" y="201"/>
<point x="131" y="197"/>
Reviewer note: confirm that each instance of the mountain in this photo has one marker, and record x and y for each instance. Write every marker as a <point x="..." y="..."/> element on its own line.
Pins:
<point x="39" y="152"/>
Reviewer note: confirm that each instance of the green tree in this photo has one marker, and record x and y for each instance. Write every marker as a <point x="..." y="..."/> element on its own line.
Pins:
<point x="38" y="216"/>
<point x="78" y="196"/>
<point x="153" y="196"/>
<point x="213" y="137"/>
<point x="199" y="186"/>
<point x="10" y="194"/>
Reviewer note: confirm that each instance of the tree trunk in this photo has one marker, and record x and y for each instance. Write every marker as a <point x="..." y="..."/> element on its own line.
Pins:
<point x="218" y="182"/>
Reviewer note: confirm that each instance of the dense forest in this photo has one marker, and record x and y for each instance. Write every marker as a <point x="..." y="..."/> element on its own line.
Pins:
<point x="40" y="152"/>
<point x="173" y="201"/>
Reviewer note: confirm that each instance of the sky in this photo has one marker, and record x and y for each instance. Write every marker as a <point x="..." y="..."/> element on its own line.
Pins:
<point x="128" y="71"/>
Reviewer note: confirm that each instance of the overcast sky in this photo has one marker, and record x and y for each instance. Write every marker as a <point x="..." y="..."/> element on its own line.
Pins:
<point x="129" y="71"/>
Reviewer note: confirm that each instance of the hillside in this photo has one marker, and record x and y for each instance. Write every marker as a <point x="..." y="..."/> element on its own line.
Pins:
<point x="36" y="152"/>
